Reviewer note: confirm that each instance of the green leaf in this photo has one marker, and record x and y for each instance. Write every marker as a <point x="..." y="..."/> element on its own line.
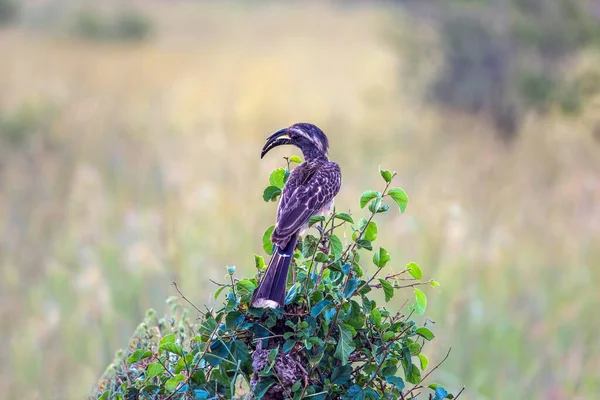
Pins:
<point x="415" y="348"/>
<point x="396" y="381"/>
<point x="388" y="336"/>
<point x="273" y="354"/>
<point x="200" y="394"/>
<point x="288" y="345"/>
<point x="172" y="383"/>
<point x="266" y="240"/>
<point x="261" y="387"/>
<point x="383" y="208"/>
<point x="341" y="375"/>
<point x="389" y="370"/>
<point x="381" y="257"/>
<point x="271" y="193"/>
<point x="376" y="315"/>
<point x="172" y="348"/>
<point x="170" y="338"/>
<point x="233" y="319"/>
<point x="291" y="294"/>
<point x="314" y="341"/>
<point x="426" y="333"/>
<point x="367" y="196"/>
<point x="424" y="361"/>
<point x="434" y="283"/>
<point x="319" y="307"/>
<point x="344" y="217"/>
<point x="245" y="285"/>
<point x="218" y="292"/>
<point x="375" y="205"/>
<point x="154" y="369"/>
<point x="364" y="244"/>
<point x="421" y="302"/>
<point x="259" y="262"/>
<point x="440" y="393"/>
<point x="296" y="159"/>
<point x="277" y="177"/>
<point x="345" y="346"/>
<point x="346" y="268"/>
<point x="399" y="197"/>
<point x="370" y="232"/>
<point x="351" y="287"/>
<point x="414" y="270"/>
<point x="138" y="355"/>
<point x="354" y="393"/>
<point x="414" y="376"/>
<point x="315" y="218"/>
<point x="388" y="290"/>
<point x="321" y="257"/>
<point x="296" y="385"/>
<point x="385" y="174"/>
<point x="336" y="246"/>
<point x="240" y="351"/>
<point x="309" y="246"/>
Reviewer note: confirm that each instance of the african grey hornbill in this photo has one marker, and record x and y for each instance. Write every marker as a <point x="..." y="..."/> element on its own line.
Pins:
<point x="309" y="191"/>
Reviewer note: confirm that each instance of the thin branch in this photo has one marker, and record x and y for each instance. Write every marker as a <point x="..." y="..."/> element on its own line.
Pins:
<point x="429" y="373"/>
<point x="177" y="388"/>
<point x="383" y="356"/>
<point x="233" y="287"/>
<point x="459" y="393"/>
<point x="185" y="298"/>
<point x="164" y="366"/>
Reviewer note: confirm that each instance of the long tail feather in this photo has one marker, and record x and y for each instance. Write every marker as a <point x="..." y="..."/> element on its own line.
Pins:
<point x="271" y="290"/>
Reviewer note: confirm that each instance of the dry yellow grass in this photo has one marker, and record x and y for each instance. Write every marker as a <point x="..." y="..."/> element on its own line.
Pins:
<point x="144" y="169"/>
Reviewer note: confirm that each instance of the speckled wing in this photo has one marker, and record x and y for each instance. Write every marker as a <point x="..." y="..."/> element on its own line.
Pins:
<point x="308" y="190"/>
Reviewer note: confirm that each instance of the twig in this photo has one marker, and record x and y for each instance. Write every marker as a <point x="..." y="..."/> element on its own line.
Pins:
<point x="378" y="285"/>
<point x="179" y="386"/>
<point x="185" y="298"/>
<point x="433" y="369"/>
<point x="164" y="366"/>
<point x="383" y="355"/>
<point x="459" y="393"/>
<point x="266" y="337"/>
<point x="362" y="232"/>
<point x="233" y="287"/>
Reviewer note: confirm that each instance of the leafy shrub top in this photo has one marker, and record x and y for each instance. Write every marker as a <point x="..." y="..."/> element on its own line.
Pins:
<point x="331" y="340"/>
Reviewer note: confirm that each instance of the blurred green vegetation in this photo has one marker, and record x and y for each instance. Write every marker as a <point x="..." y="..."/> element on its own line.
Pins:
<point x="9" y="10"/>
<point x="503" y="59"/>
<point x="123" y="168"/>
<point x="129" y="25"/>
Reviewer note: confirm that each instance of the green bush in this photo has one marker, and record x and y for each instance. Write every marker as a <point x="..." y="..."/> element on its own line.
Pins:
<point x="9" y="10"/>
<point x="124" y="26"/>
<point x="504" y="59"/>
<point x="25" y="123"/>
<point x="331" y="340"/>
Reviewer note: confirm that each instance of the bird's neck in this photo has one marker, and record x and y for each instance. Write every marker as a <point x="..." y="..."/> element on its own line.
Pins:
<point x="312" y="154"/>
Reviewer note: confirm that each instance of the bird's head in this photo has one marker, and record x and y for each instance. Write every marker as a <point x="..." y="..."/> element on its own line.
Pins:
<point x="307" y="137"/>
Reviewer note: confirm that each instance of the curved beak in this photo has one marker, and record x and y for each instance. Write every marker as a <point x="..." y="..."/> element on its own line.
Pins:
<point x="277" y="139"/>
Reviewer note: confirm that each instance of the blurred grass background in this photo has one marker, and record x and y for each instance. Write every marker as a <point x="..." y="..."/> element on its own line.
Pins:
<point x="129" y="158"/>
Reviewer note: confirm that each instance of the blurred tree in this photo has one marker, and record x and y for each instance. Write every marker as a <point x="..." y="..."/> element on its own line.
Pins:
<point x="9" y="11"/>
<point x="124" y="25"/>
<point x="503" y="58"/>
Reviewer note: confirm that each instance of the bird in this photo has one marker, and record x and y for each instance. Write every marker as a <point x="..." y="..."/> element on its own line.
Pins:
<point x="309" y="190"/>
